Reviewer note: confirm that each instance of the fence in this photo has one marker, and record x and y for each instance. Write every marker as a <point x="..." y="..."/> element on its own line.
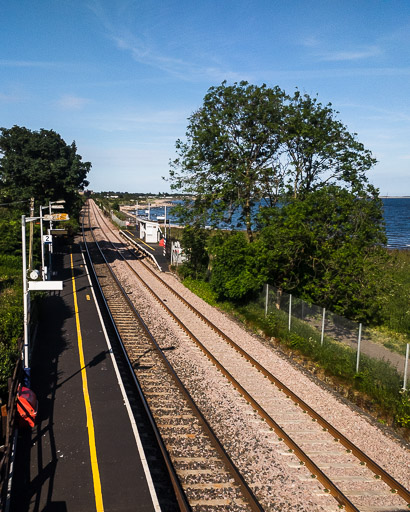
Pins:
<point x="121" y="223"/>
<point x="8" y="432"/>
<point x="315" y="322"/>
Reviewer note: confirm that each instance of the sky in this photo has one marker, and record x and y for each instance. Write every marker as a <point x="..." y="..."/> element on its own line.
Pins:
<point x="122" y="77"/>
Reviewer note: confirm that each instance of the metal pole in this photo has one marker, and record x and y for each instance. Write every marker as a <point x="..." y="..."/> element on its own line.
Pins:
<point x="51" y="227"/>
<point x="290" y="310"/>
<point x="165" y="222"/>
<point x="30" y="247"/>
<point x="50" y="246"/>
<point x="359" y="339"/>
<point x="25" y="292"/>
<point x="42" y="244"/>
<point x="323" y="326"/>
<point x="406" y="364"/>
<point x="267" y="299"/>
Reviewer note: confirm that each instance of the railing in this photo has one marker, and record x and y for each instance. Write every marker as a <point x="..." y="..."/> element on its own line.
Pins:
<point x="8" y="416"/>
<point x="321" y="325"/>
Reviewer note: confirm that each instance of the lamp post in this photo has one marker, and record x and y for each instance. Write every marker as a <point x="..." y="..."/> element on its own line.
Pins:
<point x="26" y="292"/>
<point x="31" y="285"/>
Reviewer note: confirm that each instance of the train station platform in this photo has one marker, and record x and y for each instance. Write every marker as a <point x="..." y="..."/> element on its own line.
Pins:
<point x="155" y="251"/>
<point x="85" y="452"/>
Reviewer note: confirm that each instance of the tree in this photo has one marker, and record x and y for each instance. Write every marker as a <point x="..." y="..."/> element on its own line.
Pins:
<point x="228" y="161"/>
<point x="250" y="146"/>
<point x="40" y="165"/>
<point x="328" y="247"/>
<point x="318" y="150"/>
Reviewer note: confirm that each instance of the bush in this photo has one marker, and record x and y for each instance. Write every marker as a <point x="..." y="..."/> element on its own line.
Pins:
<point x="235" y="271"/>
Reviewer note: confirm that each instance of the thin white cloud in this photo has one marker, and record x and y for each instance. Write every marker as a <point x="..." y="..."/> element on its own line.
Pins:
<point x="158" y="121"/>
<point x="10" y="98"/>
<point x="182" y="69"/>
<point x="376" y="113"/>
<point x="27" y="64"/>
<point x="350" y="55"/>
<point x="70" y="102"/>
<point x="144" y="52"/>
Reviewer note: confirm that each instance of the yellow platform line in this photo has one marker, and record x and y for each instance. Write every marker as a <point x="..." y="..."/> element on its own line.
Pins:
<point x="142" y="241"/>
<point x="139" y="240"/>
<point x="90" y="423"/>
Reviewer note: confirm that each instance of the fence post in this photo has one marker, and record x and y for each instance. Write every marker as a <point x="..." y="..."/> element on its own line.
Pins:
<point x="323" y="326"/>
<point x="290" y="309"/>
<point x="406" y="363"/>
<point x="359" y="339"/>
<point x="267" y="300"/>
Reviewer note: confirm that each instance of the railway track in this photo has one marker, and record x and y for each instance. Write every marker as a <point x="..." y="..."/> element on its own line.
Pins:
<point x="205" y="474"/>
<point x="354" y="480"/>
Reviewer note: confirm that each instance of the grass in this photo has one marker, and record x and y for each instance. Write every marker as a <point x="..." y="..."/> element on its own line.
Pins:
<point x="376" y="387"/>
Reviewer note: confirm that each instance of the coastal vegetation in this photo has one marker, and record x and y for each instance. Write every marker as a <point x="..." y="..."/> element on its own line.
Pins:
<point x="317" y="231"/>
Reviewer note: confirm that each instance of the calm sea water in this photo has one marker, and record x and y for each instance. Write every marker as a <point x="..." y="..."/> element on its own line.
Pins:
<point x="396" y="215"/>
<point x="397" y="218"/>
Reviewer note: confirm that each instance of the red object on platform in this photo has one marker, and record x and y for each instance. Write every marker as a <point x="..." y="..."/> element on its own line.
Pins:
<point x="162" y="242"/>
<point x="27" y="406"/>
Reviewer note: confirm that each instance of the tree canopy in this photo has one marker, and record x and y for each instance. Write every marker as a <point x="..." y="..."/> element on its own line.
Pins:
<point x="328" y="247"/>
<point x="228" y="159"/>
<point x="40" y="164"/>
<point x="251" y="143"/>
<point x="294" y="172"/>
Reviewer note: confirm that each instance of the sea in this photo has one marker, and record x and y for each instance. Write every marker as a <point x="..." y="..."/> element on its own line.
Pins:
<point x="396" y="215"/>
<point x="397" y="220"/>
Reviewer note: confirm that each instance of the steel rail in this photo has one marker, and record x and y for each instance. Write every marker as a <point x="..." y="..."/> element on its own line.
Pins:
<point x="245" y="489"/>
<point x="378" y="471"/>
<point x="179" y="493"/>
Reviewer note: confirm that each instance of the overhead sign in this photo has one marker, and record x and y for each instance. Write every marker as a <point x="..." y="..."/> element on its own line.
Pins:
<point x="57" y="206"/>
<point x="56" y="217"/>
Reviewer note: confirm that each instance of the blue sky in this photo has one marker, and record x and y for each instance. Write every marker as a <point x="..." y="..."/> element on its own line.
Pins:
<point x="121" y="77"/>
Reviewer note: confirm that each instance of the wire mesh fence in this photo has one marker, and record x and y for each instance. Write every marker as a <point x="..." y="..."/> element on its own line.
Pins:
<point x="321" y="326"/>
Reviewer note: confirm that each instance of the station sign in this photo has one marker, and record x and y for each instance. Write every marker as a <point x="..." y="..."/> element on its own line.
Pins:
<point x="56" y="217"/>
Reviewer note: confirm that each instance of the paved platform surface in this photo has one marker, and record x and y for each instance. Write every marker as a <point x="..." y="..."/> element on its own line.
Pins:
<point x="53" y="469"/>
<point x="156" y="250"/>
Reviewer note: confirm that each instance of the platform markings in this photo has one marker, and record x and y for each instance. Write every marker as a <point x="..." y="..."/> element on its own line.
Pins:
<point x="134" y="425"/>
<point x="87" y="402"/>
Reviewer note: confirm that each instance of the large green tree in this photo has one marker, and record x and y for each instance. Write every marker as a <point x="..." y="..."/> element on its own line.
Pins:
<point x="40" y="164"/>
<point x="249" y="145"/>
<point x="328" y="248"/>
<point x="228" y="161"/>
